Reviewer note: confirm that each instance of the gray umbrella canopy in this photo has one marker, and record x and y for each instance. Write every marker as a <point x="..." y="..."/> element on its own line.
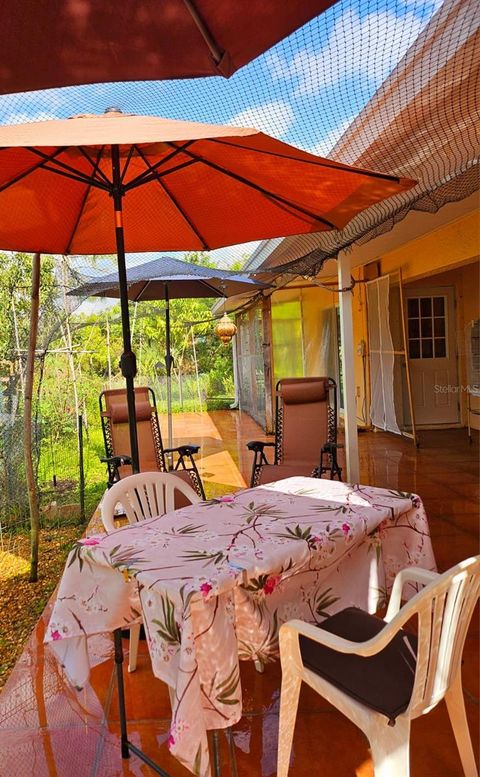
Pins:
<point x="166" y="278"/>
<point x="180" y="280"/>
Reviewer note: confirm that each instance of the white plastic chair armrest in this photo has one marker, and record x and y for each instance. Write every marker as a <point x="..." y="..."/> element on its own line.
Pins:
<point x="407" y="575"/>
<point x="107" y="519"/>
<point x="368" y="648"/>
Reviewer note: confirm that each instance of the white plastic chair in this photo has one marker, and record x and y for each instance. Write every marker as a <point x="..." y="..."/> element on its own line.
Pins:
<point x="145" y="495"/>
<point x="443" y="609"/>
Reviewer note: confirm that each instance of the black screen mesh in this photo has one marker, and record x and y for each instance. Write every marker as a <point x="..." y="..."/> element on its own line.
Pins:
<point x="385" y="84"/>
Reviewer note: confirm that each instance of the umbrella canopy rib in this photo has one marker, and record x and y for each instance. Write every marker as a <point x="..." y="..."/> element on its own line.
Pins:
<point x="213" y="47"/>
<point x="277" y="198"/>
<point x="155" y="175"/>
<point x="139" y="179"/>
<point x="67" y="170"/>
<point x="177" y="168"/>
<point x="82" y="208"/>
<point x="95" y="164"/>
<point x="318" y="162"/>
<point x="123" y="173"/>
<point x="175" y="202"/>
<point x="30" y="170"/>
<point x="139" y="295"/>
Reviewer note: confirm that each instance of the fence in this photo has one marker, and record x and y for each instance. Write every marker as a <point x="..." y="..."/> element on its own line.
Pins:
<point x="63" y="463"/>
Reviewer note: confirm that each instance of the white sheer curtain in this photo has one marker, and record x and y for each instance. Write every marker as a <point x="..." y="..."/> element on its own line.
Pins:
<point x="382" y="357"/>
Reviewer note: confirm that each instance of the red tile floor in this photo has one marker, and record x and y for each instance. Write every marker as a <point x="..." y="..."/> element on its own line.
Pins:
<point x="49" y="729"/>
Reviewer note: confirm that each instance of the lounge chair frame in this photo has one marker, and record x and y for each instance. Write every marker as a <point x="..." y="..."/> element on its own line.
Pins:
<point x="327" y="448"/>
<point x="167" y="459"/>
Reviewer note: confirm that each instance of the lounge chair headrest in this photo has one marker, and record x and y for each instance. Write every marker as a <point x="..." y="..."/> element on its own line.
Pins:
<point x="119" y="413"/>
<point x="303" y="393"/>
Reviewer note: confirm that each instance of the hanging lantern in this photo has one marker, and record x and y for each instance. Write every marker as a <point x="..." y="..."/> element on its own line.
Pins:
<point x="225" y="329"/>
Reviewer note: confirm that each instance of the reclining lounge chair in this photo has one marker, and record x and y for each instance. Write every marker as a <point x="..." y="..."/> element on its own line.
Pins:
<point x="153" y="456"/>
<point x="305" y="432"/>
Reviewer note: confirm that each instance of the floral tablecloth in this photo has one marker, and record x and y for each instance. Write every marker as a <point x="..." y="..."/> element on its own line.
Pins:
<point x="214" y="581"/>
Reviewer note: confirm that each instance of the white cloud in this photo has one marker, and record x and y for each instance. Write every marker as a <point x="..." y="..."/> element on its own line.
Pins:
<point x="329" y="140"/>
<point x="23" y="118"/>
<point x="368" y="47"/>
<point x="274" y="118"/>
<point x="277" y="66"/>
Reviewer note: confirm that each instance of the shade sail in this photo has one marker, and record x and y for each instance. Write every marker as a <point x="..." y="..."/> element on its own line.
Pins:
<point x="147" y="281"/>
<point x="63" y="42"/>
<point x="185" y="186"/>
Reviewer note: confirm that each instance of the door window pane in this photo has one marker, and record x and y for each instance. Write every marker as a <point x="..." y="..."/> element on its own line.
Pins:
<point x="439" y="325"/>
<point x="413" y="327"/>
<point x="414" y="349"/>
<point x="426" y="327"/>
<point x="439" y="306"/>
<point x="426" y="306"/>
<point x="440" y="347"/>
<point x="412" y="307"/>
<point x="427" y="348"/>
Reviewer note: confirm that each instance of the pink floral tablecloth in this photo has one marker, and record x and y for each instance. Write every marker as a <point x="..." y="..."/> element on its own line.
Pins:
<point x="214" y="581"/>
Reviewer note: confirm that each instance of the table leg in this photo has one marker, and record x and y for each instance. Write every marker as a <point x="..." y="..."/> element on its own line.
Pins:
<point x="127" y="746"/>
<point x="117" y="639"/>
<point x="231" y="750"/>
<point x="216" y="755"/>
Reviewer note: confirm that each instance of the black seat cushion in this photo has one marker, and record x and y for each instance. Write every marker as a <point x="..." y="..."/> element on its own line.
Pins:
<point x="383" y="682"/>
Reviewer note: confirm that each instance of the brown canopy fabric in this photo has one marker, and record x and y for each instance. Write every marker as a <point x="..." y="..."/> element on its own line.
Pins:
<point x="185" y="186"/>
<point x="67" y="42"/>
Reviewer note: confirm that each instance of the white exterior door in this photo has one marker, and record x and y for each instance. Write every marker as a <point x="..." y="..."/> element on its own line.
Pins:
<point x="430" y="324"/>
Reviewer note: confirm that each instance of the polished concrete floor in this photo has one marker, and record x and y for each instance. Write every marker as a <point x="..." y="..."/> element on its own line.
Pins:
<point x="50" y="729"/>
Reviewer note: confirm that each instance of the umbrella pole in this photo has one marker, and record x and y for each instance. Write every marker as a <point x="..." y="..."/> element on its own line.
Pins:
<point x="168" y="365"/>
<point x="128" y="362"/>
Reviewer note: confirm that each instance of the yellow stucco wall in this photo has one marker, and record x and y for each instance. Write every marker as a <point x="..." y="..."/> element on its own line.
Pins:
<point x="447" y="255"/>
<point x="448" y="246"/>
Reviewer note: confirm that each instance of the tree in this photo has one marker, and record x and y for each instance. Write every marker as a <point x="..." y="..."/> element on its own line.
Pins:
<point x="27" y="422"/>
<point x="15" y="304"/>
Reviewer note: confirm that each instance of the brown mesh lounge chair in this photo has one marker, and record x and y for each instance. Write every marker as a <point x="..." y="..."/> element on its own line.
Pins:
<point x="305" y="432"/>
<point x="153" y="456"/>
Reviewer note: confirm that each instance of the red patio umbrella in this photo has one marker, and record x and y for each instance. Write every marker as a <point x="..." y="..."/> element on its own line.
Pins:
<point x="67" y="42"/>
<point x="174" y="185"/>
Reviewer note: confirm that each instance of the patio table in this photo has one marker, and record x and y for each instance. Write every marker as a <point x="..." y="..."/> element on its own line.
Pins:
<point x="214" y="581"/>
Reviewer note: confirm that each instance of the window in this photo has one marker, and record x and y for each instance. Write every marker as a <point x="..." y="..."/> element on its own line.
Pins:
<point x="287" y="339"/>
<point x="427" y="327"/>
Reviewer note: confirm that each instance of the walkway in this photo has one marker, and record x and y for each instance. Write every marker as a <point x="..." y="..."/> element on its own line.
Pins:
<point x="48" y="729"/>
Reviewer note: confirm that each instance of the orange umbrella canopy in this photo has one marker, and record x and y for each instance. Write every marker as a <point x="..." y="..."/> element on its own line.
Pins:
<point x="185" y="186"/>
<point x="61" y="42"/>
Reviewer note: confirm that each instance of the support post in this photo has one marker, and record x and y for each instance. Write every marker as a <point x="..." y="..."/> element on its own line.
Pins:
<point x="168" y="366"/>
<point x="268" y="363"/>
<point x="236" y="394"/>
<point x="81" y="469"/>
<point x="127" y="361"/>
<point x="27" y="422"/>
<point x="348" y="368"/>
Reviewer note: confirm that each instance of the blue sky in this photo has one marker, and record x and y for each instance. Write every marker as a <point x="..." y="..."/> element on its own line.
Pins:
<point x="306" y="90"/>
